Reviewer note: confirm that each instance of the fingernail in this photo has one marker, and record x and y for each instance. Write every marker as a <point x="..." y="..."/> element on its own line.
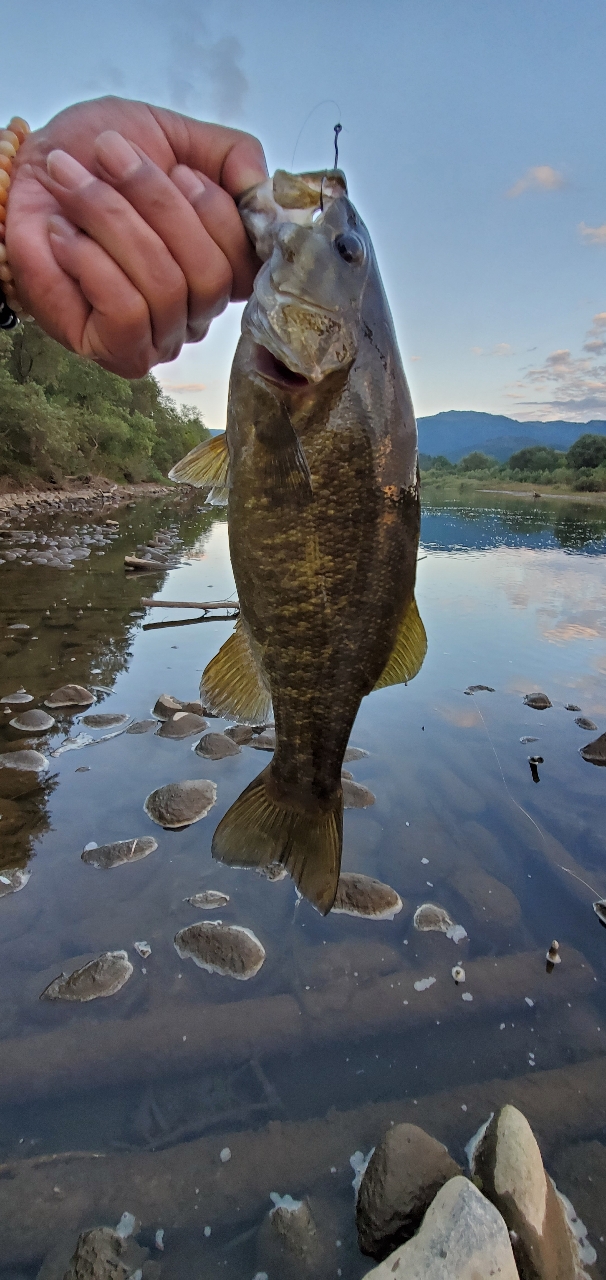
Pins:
<point x="117" y="156"/>
<point x="61" y="228"/>
<point x="188" y="183"/>
<point x="62" y="168"/>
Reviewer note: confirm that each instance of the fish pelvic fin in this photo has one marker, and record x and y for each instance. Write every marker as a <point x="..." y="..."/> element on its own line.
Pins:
<point x="234" y="682"/>
<point x="260" y="832"/>
<point x="408" y="654"/>
<point x="207" y="464"/>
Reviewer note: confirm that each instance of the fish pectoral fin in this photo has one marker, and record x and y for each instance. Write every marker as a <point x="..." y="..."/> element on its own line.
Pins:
<point x="258" y="832"/>
<point x="208" y="463"/>
<point x="407" y="656"/>
<point x="234" y="683"/>
<point x="282" y="463"/>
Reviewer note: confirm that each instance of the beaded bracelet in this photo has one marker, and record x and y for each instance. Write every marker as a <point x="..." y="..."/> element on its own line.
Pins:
<point x="10" y="141"/>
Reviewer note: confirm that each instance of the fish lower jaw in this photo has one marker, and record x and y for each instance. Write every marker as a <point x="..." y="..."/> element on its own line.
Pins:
<point x="272" y="369"/>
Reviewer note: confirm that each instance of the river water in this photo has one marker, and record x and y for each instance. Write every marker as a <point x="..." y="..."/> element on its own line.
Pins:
<point x="292" y="1072"/>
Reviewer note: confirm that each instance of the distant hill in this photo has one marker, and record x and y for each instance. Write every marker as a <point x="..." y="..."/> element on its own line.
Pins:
<point x="458" y="432"/>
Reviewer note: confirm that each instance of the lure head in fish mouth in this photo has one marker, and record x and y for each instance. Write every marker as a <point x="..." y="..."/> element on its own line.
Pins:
<point x="304" y="314"/>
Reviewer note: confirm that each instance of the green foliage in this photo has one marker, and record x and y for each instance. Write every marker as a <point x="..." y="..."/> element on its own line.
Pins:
<point x="61" y="415"/>
<point x="588" y="451"/>
<point x="439" y="463"/>
<point x="537" y="458"/>
<point x="477" y="462"/>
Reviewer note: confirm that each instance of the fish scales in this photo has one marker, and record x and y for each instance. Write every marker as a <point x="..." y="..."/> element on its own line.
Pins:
<point x="324" y="515"/>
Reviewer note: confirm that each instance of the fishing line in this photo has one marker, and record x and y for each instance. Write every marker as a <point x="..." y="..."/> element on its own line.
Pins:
<point x="518" y="806"/>
<point x="325" y="102"/>
<point x="575" y="877"/>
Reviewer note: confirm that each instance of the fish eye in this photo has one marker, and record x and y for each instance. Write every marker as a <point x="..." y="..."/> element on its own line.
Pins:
<point x="350" y="247"/>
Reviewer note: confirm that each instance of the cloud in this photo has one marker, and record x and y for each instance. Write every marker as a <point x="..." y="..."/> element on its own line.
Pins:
<point x="500" y="349"/>
<point x="568" y="386"/>
<point x="415" y="358"/>
<point x="593" y="235"/>
<point x="183" y="386"/>
<point x="204" y="73"/>
<point x="540" y="178"/>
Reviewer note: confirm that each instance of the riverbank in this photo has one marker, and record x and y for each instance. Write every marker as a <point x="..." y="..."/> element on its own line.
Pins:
<point x="99" y="492"/>
<point x="456" y="487"/>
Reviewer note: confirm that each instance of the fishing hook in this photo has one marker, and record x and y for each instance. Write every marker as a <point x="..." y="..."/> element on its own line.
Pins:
<point x="338" y="129"/>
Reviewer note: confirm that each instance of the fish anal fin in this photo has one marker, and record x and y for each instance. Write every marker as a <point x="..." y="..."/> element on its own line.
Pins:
<point x="233" y="683"/>
<point x="408" y="653"/>
<point x="259" y="832"/>
<point x="207" y="464"/>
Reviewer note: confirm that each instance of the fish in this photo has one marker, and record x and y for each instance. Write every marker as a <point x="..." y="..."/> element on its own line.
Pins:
<point x="319" y="468"/>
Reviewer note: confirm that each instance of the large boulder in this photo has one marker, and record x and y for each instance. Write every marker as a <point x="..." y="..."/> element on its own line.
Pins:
<point x="402" y="1177"/>
<point x="508" y="1167"/>
<point x="463" y="1237"/>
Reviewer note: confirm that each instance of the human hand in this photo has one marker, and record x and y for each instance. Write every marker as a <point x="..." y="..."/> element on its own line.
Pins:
<point x="124" y="250"/>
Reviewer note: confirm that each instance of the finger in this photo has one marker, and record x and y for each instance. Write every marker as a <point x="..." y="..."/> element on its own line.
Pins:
<point x="111" y="222"/>
<point x="219" y="215"/>
<point x="114" y="328"/>
<point x="170" y="214"/>
<point x="232" y="159"/>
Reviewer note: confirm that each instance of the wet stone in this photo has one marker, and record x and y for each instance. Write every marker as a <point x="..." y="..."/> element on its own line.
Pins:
<point x="355" y="796"/>
<point x="20" y="772"/>
<point x="586" y="724"/>
<point x="183" y="724"/>
<point x="178" y="804"/>
<point x="101" y="977"/>
<point x="12" y="879"/>
<point x="478" y="688"/>
<point x="166" y="706"/>
<point x="105" y="719"/>
<point x="216" y="746"/>
<point x="538" y="701"/>
<point x="230" y="950"/>
<point x="265" y="741"/>
<point x="240" y="733"/>
<point x="98" y="1256"/>
<point x="288" y="1242"/>
<point x="107" y="856"/>
<point x="141" y="726"/>
<point x="595" y="752"/>
<point x="403" y="1176"/>
<point x="210" y="900"/>
<point x="18" y="699"/>
<point x="70" y="695"/>
<point x="354" y="753"/>
<point x="359" y="895"/>
<point x="571" y="706"/>
<point x="32" y="722"/>
<point x="431" y="918"/>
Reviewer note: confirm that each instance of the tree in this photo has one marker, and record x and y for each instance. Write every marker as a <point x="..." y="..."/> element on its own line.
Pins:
<point x="536" y="458"/>
<point x="587" y="451"/>
<point x="477" y="462"/>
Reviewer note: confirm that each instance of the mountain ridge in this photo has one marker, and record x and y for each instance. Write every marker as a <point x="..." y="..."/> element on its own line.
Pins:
<point x="457" y="432"/>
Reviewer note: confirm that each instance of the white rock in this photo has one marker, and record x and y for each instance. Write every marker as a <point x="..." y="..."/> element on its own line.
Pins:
<point x="462" y="1237"/>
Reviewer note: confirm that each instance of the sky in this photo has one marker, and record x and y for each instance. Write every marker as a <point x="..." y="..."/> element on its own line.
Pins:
<point x="474" y="145"/>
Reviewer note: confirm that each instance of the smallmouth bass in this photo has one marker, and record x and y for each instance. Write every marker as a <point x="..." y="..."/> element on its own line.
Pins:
<point x="319" y="462"/>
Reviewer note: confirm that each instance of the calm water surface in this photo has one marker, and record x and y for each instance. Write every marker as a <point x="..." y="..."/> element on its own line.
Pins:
<point x="310" y="1060"/>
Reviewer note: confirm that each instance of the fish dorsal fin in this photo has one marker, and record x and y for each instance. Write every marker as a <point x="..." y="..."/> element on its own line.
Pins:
<point x="234" y="683"/>
<point x="207" y="464"/>
<point x="408" y="653"/>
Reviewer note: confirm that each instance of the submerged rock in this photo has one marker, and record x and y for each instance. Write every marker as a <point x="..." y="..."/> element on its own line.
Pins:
<point x="105" y="719"/>
<point x="586" y="724"/>
<point x="428" y="917"/>
<point x="17" y="699"/>
<point x="359" y="895"/>
<point x="571" y="706"/>
<point x="354" y="753"/>
<point x="240" y="733"/>
<point x="12" y="879"/>
<point x="98" y="1256"/>
<point x="141" y="726"/>
<point x="210" y="900"/>
<point x="32" y="722"/>
<point x="478" y="688"/>
<point x="462" y="1237"/>
<point x="288" y="1242"/>
<point x="403" y="1176"/>
<point x="107" y="856"/>
<point x="273" y="871"/>
<point x="355" y="796"/>
<point x="178" y="804"/>
<point x="182" y="725"/>
<point x="595" y="752"/>
<point x="265" y="741"/>
<point x="166" y="706"/>
<point x="230" y="950"/>
<point x="507" y="1164"/>
<point x="539" y="701"/>
<point x="70" y="695"/>
<point x="101" y="977"/>
<point x="20" y="772"/>
<point x="216" y="746"/>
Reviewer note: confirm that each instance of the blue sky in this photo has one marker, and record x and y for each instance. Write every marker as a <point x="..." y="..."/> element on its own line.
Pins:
<point x="474" y="145"/>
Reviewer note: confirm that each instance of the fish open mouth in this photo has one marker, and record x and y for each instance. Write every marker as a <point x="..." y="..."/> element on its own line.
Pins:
<point x="274" y="370"/>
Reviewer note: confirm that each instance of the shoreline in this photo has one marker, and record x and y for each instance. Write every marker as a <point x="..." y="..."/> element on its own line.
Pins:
<point x="462" y="489"/>
<point x="100" y="492"/>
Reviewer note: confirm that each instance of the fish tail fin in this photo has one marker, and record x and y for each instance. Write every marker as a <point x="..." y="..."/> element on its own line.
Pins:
<point x="258" y="831"/>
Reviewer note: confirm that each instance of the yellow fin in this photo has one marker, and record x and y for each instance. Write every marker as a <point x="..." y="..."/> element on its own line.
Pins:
<point x="207" y="464"/>
<point x="258" y="832"/>
<point x="407" y="656"/>
<point x="234" y="683"/>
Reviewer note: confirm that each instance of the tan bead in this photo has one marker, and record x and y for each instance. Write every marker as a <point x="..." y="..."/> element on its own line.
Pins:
<point x="3" y="257"/>
<point x="7" y="149"/>
<point x="6" y="135"/>
<point x="5" y="163"/>
<point x="4" y="180"/>
<point x="5" y="272"/>
<point x="19" y="127"/>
